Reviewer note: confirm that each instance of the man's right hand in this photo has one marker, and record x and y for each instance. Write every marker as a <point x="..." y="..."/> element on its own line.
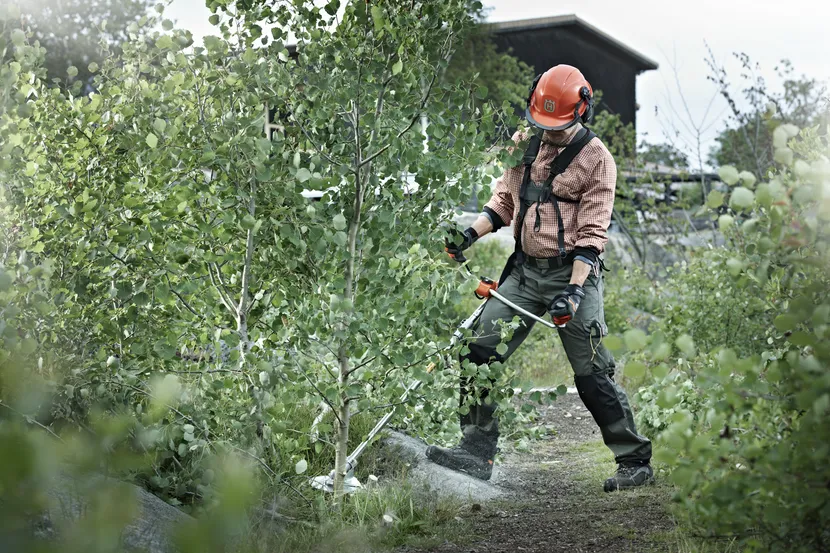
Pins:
<point x="456" y="242"/>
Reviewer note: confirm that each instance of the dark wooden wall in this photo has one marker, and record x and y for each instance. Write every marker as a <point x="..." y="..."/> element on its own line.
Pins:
<point x="607" y="68"/>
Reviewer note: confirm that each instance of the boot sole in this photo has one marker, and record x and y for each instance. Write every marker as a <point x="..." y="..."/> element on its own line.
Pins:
<point x="436" y="456"/>
<point x="609" y="489"/>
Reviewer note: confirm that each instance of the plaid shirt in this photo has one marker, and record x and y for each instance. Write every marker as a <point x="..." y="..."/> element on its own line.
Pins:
<point x="591" y="178"/>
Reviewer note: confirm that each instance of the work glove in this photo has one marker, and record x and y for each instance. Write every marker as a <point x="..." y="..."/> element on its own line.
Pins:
<point x="456" y="242"/>
<point x="563" y="307"/>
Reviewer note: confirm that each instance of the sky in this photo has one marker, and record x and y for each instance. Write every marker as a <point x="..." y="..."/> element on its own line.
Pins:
<point x="675" y="34"/>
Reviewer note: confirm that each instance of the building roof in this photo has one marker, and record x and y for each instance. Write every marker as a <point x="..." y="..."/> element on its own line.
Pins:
<point x="522" y="25"/>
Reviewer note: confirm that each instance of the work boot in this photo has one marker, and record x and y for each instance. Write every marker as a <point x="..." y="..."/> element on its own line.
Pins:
<point x="474" y="455"/>
<point x="460" y="459"/>
<point x="629" y="476"/>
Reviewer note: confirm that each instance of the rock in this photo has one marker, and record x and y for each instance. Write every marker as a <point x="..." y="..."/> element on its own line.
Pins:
<point x="150" y="530"/>
<point x="438" y="479"/>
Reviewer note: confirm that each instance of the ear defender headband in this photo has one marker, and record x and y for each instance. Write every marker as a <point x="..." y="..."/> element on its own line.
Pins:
<point x="585" y="96"/>
<point x="533" y="88"/>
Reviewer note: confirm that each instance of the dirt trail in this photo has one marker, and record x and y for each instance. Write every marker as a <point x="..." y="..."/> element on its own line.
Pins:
<point x="556" y="503"/>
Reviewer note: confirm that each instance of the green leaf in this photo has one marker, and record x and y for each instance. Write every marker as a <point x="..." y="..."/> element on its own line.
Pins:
<point x="802" y="339"/>
<point x="635" y="339"/>
<point x="561" y="390"/>
<point x="164" y="41"/>
<point x="164" y="349"/>
<point x="160" y="125"/>
<point x="742" y="198"/>
<point x="72" y="71"/>
<point x="248" y="221"/>
<point x="397" y="67"/>
<point x="28" y="346"/>
<point x="339" y="222"/>
<point x="377" y="17"/>
<point x="18" y="37"/>
<point x="734" y="266"/>
<point x="686" y="345"/>
<point x="332" y="7"/>
<point x="715" y="199"/>
<point x="93" y="67"/>
<point x="635" y="369"/>
<point x="725" y="221"/>
<point x="747" y="178"/>
<point x="728" y="174"/>
<point x="340" y="238"/>
<point x="301" y="466"/>
<point x="303" y="174"/>
<point x="784" y="156"/>
<point x="213" y="19"/>
<point x="5" y="280"/>
<point x="661" y="352"/>
<point x="501" y="349"/>
<point x="482" y="92"/>
<point x="613" y="343"/>
<point x="785" y="322"/>
<point x="151" y="140"/>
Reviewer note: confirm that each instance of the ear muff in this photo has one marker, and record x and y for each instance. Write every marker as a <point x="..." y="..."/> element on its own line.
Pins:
<point x="586" y="96"/>
<point x="533" y="88"/>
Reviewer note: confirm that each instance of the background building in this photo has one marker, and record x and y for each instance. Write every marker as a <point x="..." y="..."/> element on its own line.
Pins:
<point x="608" y="64"/>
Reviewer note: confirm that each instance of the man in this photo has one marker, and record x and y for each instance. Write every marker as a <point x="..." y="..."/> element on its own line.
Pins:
<point x="560" y="201"/>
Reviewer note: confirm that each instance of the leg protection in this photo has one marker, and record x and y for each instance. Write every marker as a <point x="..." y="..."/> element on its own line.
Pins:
<point x="600" y="397"/>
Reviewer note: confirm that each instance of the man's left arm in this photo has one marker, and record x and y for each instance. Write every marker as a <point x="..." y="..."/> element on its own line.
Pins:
<point x="593" y="218"/>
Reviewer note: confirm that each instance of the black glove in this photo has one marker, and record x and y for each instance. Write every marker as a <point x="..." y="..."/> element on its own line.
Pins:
<point x="563" y="307"/>
<point x="457" y="242"/>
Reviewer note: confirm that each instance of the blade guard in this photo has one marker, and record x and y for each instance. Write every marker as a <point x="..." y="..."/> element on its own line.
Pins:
<point x="484" y="287"/>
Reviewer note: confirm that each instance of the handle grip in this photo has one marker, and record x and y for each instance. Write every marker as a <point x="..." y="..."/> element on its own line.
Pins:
<point x="564" y="319"/>
<point x="459" y="257"/>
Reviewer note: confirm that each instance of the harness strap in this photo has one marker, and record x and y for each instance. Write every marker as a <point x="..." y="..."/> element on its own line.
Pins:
<point x="531" y="153"/>
<point x="561" y="233"/>
<point x="528" y="194"/>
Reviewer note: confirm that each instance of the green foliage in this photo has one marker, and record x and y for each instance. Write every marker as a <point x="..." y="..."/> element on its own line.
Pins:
<point x="194" y="293"/>
<point x="703" y="301"/>
<point x="619" y="138"/>
<point x="742" y="416"/>
<point x="499" y="77"/>
<point x="663" y="155"/>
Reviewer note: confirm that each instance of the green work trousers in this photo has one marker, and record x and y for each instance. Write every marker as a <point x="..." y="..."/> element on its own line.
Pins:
<point x="592" y="363"/>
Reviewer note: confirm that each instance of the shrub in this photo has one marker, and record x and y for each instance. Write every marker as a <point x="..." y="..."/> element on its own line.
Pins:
<point x="742" y="419"/>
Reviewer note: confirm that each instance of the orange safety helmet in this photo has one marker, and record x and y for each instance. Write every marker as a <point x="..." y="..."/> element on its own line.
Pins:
<point x="559" y="98"/>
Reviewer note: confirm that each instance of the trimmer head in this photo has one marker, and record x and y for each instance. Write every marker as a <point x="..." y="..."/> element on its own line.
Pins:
<point x="326" y="483"/>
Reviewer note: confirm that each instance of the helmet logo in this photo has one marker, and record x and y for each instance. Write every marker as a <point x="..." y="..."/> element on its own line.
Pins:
<point x="550" y="106"/>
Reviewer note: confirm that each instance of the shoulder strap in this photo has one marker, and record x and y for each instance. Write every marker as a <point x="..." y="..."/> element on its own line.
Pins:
<point x="532" y="149"/>
<point x="531" y="153"/>
<point x="561" y="162"/>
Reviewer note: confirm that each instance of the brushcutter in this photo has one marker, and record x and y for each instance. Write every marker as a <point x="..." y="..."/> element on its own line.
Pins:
<point x="486" y="289"/>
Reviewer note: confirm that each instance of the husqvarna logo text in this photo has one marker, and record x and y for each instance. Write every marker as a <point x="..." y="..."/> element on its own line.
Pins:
<point x="550" y="106"/>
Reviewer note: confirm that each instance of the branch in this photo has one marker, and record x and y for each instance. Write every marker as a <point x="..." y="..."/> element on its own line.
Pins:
<point x="313" y="385"/>
<point x="415" y="119"/>
<point x="242" y="310"/>
<point x="220" y="288"/>
<point x="361" y="365"/>
<point x="30" y="420"/>
<point x="181" y="299"/>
